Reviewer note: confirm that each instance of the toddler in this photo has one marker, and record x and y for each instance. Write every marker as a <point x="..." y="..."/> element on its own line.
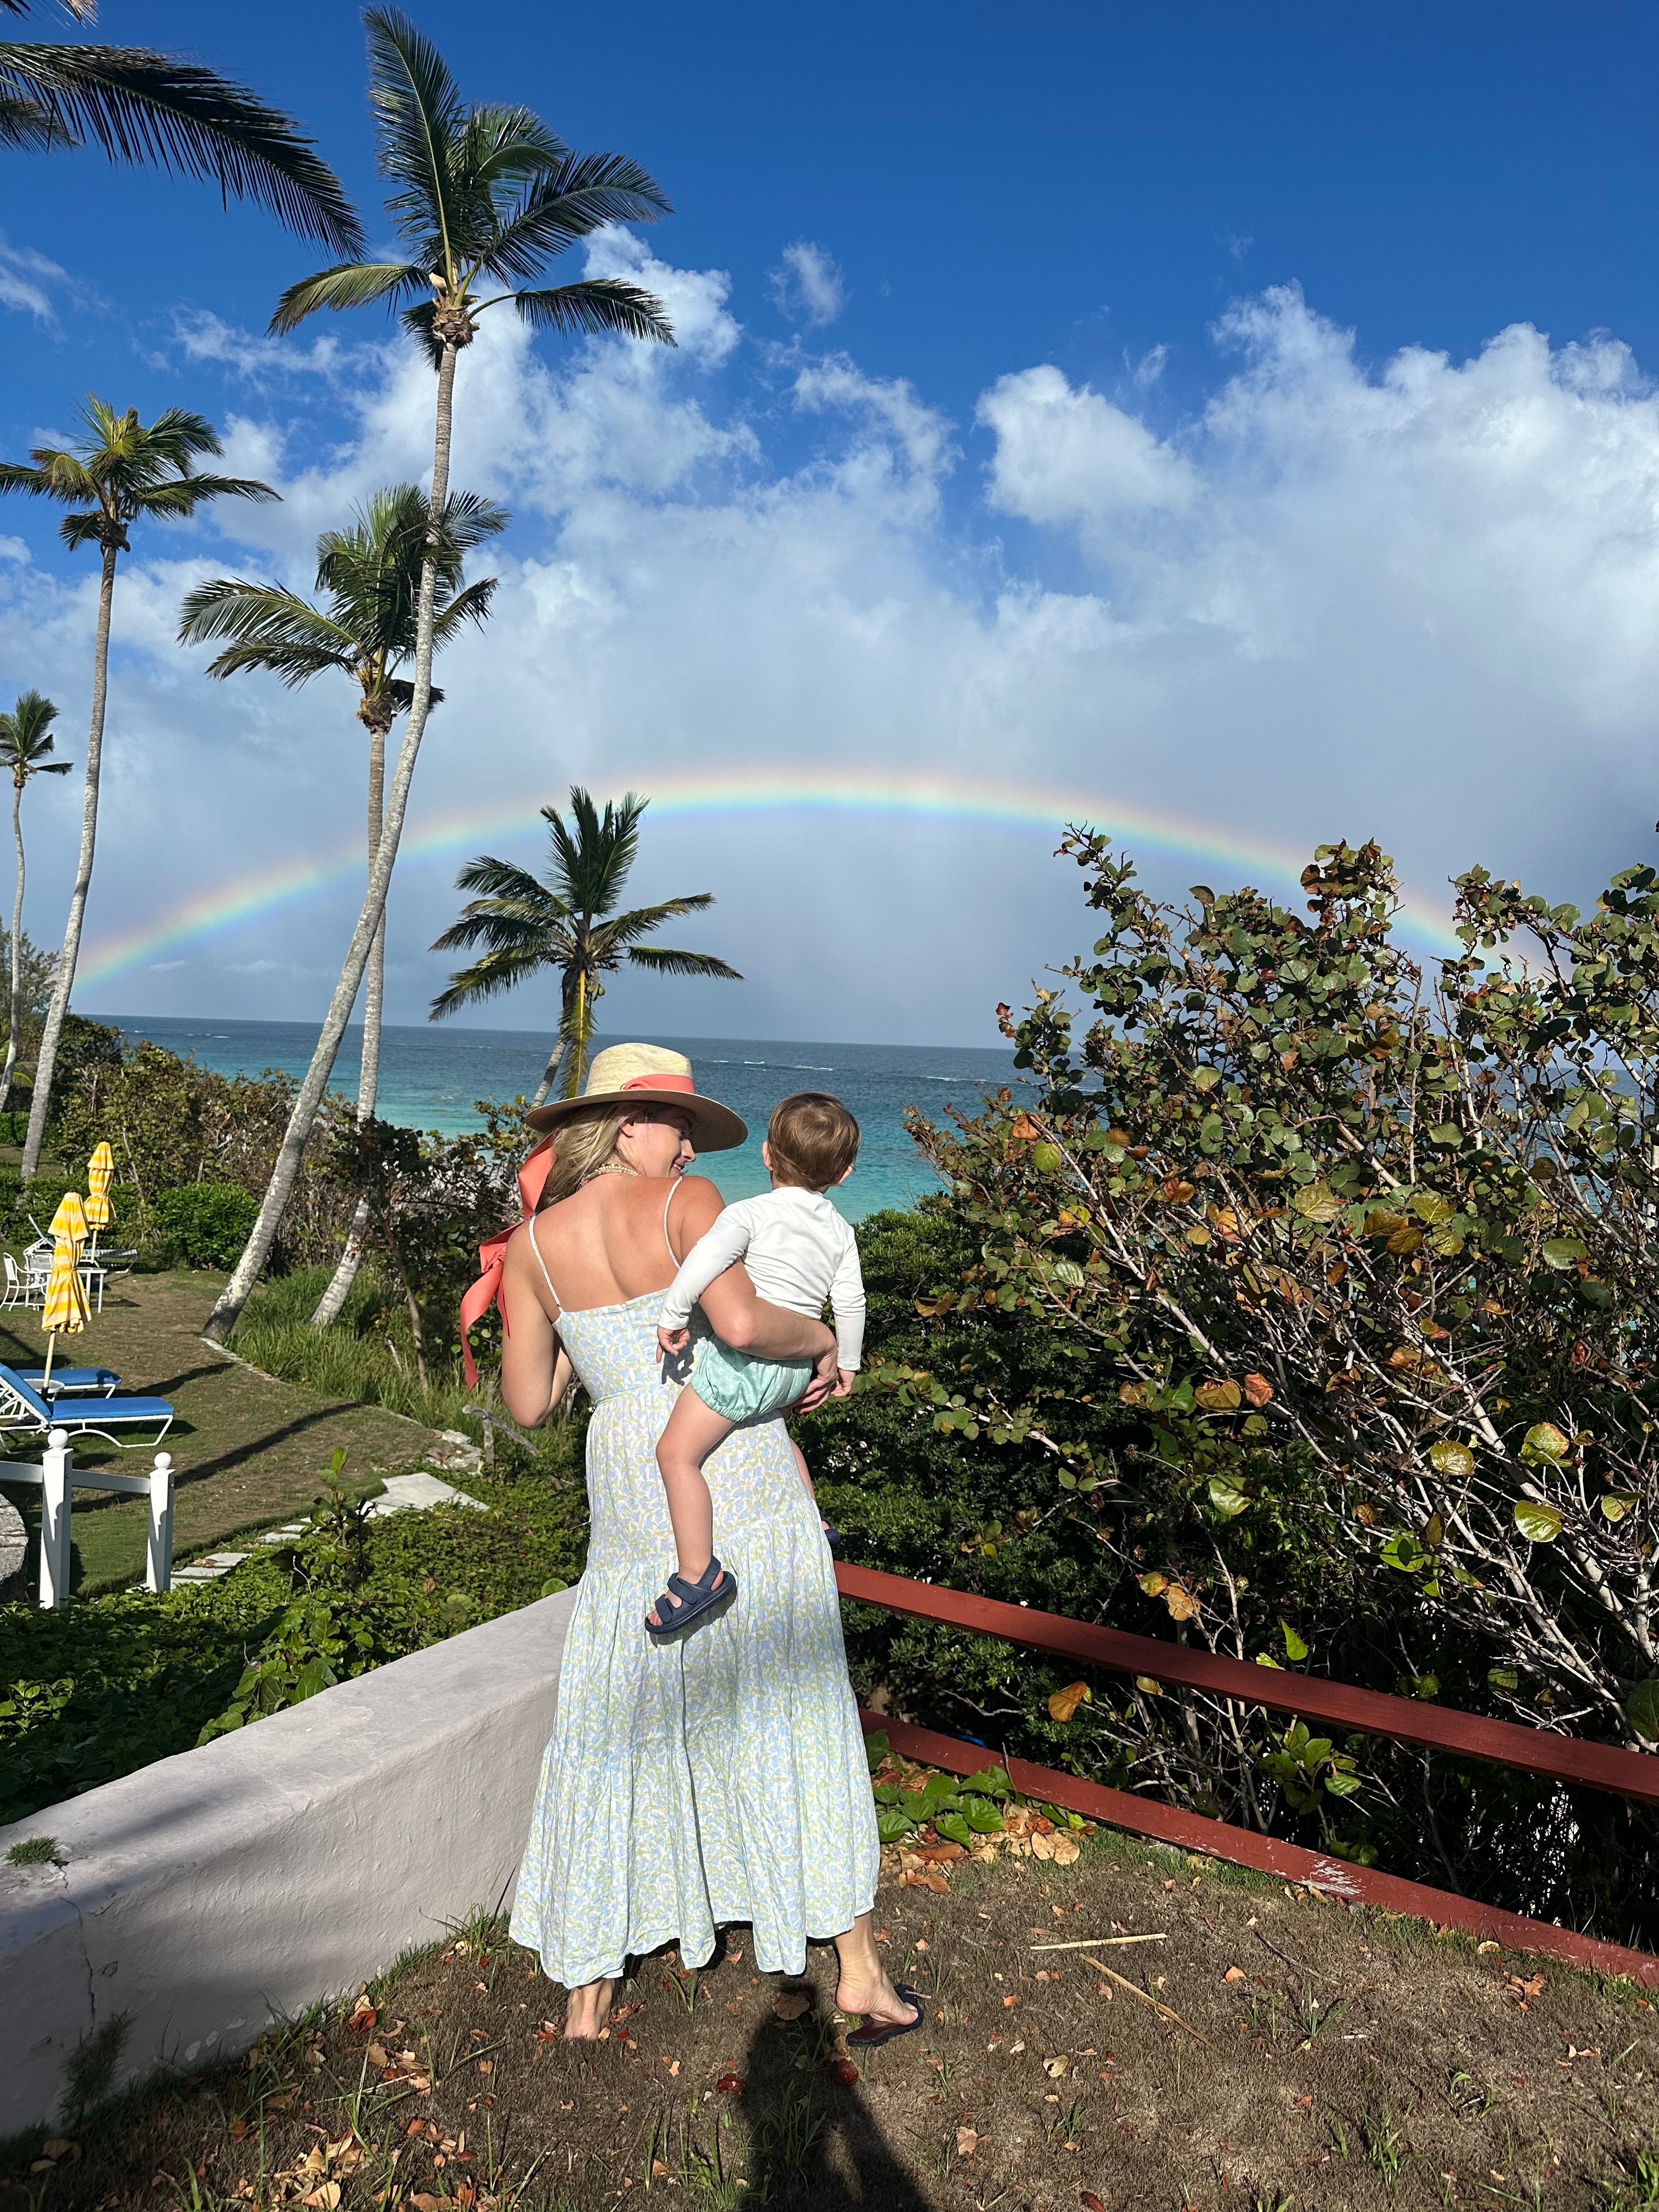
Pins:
<point x="798" y="1252"/>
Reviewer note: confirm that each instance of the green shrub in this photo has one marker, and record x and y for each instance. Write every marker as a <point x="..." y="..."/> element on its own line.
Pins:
<point x="205" y="1224"/>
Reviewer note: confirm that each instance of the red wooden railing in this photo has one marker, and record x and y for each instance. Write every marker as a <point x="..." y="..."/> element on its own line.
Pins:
<point x="1631" y="1774"/>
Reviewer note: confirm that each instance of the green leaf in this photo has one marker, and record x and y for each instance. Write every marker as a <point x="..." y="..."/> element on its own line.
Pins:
<point x="1206" y="1079"/>
<point x="1294" y="1647"/>
<point x="1343" y="1785"/>
<point x="1565" y="1252"/>
<point x="1403" y="1550"/>
<point x="892" y="1825"/>
<point x="1045" y="1158"/>
<point x="1544" y="1441"/>
<point x="1227" y="1498"/>
<point x="989" y="1782"/>
<point x="1538" y="1523"/>
<point x="1616" y="1503"/>
<point x="1317" y="1202"/>
<point x="1454" y="1462"/>
<point x="1503" y="1678"/>
<point x="982" y="1816"/>
<point x="1431" y="1206"/>
<point x="954" y="1827"/>
<point x="887" y="1793"/>
<point x="875" y="1748"/>
<point x="1447" y="1134"/>
<point x="1642" y="1709"/>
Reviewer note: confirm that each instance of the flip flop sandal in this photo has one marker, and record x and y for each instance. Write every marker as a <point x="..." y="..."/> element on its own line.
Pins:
<point x="697" y="1601"/>
<point x="864" y="2038"/>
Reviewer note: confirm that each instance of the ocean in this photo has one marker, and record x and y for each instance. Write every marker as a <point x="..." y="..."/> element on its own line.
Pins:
<point x="431" y="1077"/>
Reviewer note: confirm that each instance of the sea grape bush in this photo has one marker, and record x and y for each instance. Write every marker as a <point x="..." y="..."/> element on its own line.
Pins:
<point x="1282" y="1193"/>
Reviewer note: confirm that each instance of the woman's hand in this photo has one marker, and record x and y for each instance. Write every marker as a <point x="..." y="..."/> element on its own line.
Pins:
<point x="826" y="1375"/>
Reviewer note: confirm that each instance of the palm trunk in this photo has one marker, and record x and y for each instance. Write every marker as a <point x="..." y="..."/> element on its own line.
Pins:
<point x="302" y="1119"/>
<point x="330" y="1306"/>
<point x="550" y="1076"/>
<point x="17" y="957"/>
<point x="63" y="982"/>
<point x="581" y="1030"/>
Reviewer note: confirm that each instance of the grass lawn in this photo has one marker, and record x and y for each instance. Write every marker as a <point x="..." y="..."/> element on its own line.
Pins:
<point x="247" y="1449"/>
<point x="1318" y="2058"/>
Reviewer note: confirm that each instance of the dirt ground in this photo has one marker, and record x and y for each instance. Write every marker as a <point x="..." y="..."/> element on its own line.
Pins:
<point x="1308" y="2058"/>
<point x="246" y="1449"/>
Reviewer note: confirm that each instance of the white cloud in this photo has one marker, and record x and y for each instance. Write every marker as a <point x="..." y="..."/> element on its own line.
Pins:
<point x="27" y="281"/>
<point x="808" y="285"/>
<point x="1414" y="600"/>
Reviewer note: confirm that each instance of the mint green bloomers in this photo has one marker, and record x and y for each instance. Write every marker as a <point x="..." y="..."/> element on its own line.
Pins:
<point x="719" y="1777"/>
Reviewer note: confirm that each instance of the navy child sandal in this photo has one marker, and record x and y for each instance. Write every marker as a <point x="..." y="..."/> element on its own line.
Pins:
<point x="697" y="1601"/>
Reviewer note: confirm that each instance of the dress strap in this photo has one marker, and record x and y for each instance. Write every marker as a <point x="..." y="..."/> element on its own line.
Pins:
<point x="542" y="1264"/>
<point x="673" y="1189"/>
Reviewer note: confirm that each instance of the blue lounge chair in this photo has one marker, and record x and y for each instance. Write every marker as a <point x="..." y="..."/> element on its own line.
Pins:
<point x="21" y="1406"/>
<point x="103" y="1382"/>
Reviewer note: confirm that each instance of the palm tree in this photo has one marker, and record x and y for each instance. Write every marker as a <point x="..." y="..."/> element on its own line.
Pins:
<point x="144" y="107"/>
<point x="370" y="576"/>
<point x="120" y="471"/>
<point x="481" y="196"/>
<point x="567" y="920"/>
<point x="25" y="739"/>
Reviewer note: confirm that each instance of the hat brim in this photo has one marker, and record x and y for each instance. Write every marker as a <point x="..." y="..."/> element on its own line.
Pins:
<point x="714" y="1128"/>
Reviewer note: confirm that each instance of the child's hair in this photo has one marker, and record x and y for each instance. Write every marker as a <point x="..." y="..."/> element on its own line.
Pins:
<point x="813" y="1141"/>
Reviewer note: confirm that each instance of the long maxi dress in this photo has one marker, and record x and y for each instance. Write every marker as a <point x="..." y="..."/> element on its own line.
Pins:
<point x="716" y="1778"/>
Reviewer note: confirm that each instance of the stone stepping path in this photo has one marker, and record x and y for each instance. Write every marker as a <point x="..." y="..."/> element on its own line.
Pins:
<point x="403" y="1494"/>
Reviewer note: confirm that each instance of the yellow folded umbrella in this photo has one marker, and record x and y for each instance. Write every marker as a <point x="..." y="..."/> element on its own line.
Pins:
<point x="100" y="1174"/>
<point x="69" y="1224"/>
<point x="64" y="1313"/>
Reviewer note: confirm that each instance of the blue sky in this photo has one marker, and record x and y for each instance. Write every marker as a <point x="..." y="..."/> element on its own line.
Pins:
<point x="1116" y="400"/>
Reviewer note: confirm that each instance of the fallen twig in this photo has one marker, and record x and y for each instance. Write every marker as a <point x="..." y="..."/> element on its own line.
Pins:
<point x="1105" y="1943"/>
<point x="1135" y="1991"/>
<point x="1297" y="1963"/>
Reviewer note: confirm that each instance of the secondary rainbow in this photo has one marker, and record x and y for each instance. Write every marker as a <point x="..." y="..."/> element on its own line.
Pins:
<point x="727" y="792"/>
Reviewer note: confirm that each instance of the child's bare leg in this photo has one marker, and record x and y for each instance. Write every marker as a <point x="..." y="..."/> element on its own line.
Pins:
<point x="802" y="1469"/>
<point x="693" y="1432"/>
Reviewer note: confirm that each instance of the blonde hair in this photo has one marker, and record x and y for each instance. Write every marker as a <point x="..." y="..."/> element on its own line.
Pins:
<point x="581" y="1148"/>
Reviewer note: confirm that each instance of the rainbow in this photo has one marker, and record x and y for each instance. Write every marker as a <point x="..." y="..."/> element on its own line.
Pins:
<point x="729" y="792"/>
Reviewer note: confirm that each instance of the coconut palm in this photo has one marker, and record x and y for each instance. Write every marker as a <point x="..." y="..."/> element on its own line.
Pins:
<point x="482" y="199"/>
<point x="144" y="107"/>
<point x="25" y="739"/>
<point x="567" y="920"/>
<point x="369" y="577"/>
<point x="119" y="472"/>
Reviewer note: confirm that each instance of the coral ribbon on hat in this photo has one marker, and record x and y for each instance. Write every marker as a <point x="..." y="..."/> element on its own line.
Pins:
<point x="492" y="1253"/>
<point x="660" y="1083"/>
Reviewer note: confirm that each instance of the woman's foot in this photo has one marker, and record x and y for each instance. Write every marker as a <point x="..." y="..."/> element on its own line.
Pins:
<point x="876" y="2003"/>
<point x="586" y="2011"/>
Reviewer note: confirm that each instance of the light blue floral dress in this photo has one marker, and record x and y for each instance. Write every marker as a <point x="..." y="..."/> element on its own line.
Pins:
<point x="718" y="1777"/>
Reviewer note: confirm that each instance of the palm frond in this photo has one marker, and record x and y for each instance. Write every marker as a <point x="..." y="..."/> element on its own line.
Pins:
<point x="418" y="118"/>
<point x="487" y="978"/>
<point x="628" y="928"/>
<point x="186" y="494"/>
<point x="473" y="606"/>
<point x="79" y="529"/>
<point x="348" y="285"/>
<point x="583" y="193"/>
<point x="27" y="125"/>
<point x="662" y="962"/>
<point x="144" y="107"/>
<point x="596" y="305"/>
<point x="499" y="879"/>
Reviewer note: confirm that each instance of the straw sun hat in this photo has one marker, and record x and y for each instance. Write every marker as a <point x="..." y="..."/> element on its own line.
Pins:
<point x="647" y="1075"/>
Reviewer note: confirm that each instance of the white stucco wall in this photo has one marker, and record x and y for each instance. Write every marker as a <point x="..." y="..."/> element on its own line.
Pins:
<point x="205" y="1895"/>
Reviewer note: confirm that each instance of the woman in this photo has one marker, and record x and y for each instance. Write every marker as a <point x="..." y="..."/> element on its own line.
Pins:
<point x="719" y="1777"/>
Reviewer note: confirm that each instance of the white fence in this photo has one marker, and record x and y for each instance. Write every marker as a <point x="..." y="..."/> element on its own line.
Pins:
<point x="55" y="1476"/>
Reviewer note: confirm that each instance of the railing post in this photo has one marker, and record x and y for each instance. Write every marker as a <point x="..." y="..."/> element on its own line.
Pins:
<point x="57" y="1464"/>
<point x="158" y="1573"/>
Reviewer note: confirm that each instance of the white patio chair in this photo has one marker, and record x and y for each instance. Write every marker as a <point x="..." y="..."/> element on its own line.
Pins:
<point x="15" y="1284"/>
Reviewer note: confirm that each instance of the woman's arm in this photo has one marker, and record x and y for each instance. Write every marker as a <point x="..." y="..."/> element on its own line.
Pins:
<point x="535" y="1372"/>
<point x="736" y="1314"/>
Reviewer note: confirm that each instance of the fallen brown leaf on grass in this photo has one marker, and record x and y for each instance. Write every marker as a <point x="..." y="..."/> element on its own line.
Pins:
<point x="1055" y="2068"/>
<point x="968" y="2142"/>
<point x="1090" y="2202"/>
<point x="790" y="2004"/>
<point x="1234" y="1974"/>
<point x="547" y="2032"/>
<point x="731" y="2085"/>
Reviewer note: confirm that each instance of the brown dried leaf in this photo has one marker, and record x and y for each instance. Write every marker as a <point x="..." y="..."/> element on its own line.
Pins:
<point x="1182" y="1604"/>
<point x="967" y="2142"/>
<point x="1064" y="1703"/>
<point x="790" y="2004"/>
<point x="1066" y="1850"/>
<point x="1258" y="1389"/>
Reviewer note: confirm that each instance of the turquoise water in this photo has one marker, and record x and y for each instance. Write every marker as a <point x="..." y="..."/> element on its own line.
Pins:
<point x="431" y="1077"/>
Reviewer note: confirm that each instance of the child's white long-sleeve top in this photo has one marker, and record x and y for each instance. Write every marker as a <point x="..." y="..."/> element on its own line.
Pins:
<point x="798" y="1251"/>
